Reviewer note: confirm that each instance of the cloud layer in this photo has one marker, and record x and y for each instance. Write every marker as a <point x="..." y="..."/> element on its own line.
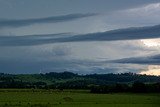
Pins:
<point x="114" y="35"/>
<point x="53" y="19"/>
<point x="151" y="60"/>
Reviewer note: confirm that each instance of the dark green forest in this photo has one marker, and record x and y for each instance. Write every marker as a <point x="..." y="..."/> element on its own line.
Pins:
<point x="96" y="83"/>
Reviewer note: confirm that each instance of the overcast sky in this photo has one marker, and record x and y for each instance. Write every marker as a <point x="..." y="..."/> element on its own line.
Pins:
<point x="81" y="36"/>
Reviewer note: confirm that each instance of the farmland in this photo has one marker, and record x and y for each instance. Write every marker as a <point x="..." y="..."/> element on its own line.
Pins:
<point x="74" y="98"/>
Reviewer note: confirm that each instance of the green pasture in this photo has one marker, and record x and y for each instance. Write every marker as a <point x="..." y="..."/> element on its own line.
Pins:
<point x="74" y="98"/>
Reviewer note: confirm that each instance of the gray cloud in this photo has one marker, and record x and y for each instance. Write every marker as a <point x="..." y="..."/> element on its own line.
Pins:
<point x="60" y="65"/>
<point x="36" y="66"/>
<point x="53" y="19"/>
<point x="153" y="60"/>
<point x="30" y="40"/>
<point x="120" y="34"/>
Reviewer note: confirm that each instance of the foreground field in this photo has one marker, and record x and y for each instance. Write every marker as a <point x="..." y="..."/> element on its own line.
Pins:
<point x="72" y="98"/>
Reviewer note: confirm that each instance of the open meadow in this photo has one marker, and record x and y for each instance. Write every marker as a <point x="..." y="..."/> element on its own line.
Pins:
<point x="74" y="98"/>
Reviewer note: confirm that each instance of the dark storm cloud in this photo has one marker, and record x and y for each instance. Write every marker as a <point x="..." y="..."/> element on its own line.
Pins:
<point x="151" y="60"/>
<point x="36" y="66"/>
<point x="30" y="40"/>
<point x="53" y="19"/>
<point x="120" y="34"/>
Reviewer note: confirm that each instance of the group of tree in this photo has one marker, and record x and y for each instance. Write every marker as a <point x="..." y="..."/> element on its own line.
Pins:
<point x="97" y="83"/>
<point x="136" y="87"/>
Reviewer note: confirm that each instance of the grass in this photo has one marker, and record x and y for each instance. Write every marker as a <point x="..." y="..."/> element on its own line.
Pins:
<point x="73" y="98"/>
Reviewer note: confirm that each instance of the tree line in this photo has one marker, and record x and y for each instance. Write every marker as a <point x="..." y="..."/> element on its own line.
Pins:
<point x="96" y="83"/>
<point x="136" y="87"/>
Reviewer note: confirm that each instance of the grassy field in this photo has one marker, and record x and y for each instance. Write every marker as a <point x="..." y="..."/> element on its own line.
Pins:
<point x="73" y="98"/>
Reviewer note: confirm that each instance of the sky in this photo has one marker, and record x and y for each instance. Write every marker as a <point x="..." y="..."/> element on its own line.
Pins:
<point x="80" y="36"/>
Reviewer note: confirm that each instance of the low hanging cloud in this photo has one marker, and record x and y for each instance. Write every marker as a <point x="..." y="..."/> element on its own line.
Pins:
<point x="60" y="65"/>
<point x="7" y="23"/>
<point x="114" y="35"/>
<point x="151" y="60"/>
